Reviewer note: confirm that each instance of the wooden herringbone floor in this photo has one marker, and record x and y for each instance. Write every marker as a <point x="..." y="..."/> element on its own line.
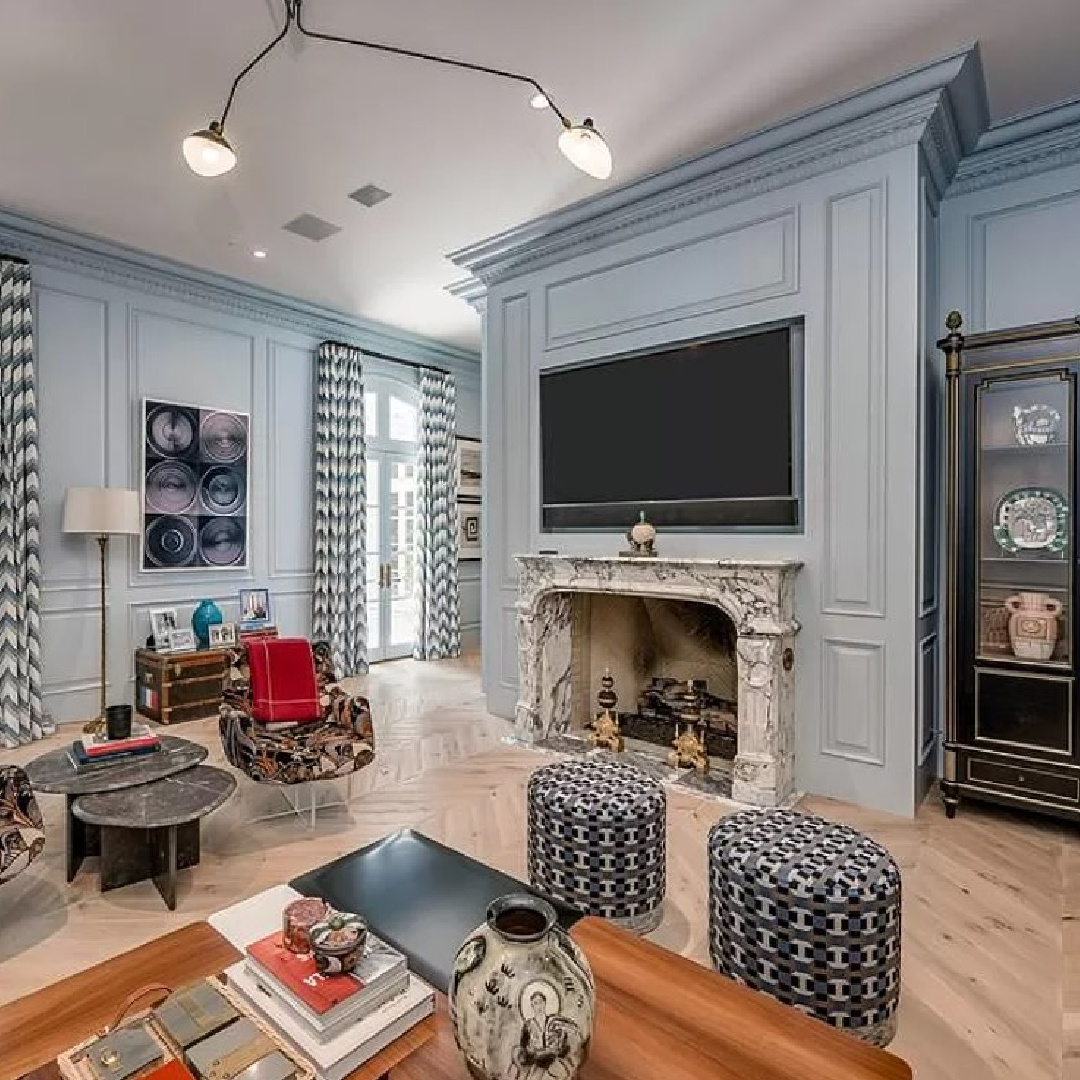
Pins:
<point x="991" y="956"/>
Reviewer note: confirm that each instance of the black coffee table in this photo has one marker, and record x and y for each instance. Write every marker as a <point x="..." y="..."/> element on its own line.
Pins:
<point x="152" y="830"/>
<point x="54" y="774"/>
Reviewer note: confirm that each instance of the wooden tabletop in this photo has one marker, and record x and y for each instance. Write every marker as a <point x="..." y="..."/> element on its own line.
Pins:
<point x="658" y="1014"/>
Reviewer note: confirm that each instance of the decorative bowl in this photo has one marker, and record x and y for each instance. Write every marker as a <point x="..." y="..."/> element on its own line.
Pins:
<point x="337" y="943"/>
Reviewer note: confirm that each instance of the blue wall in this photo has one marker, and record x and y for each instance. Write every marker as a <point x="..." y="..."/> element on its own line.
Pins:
<point x="113" y="327"/>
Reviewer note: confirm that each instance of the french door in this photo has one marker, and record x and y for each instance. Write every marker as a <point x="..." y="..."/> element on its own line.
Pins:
<point x="391" y="521"/>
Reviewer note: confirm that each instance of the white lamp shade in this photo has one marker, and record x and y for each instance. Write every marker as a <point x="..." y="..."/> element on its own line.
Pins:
<point x="208" y="152"/>
<point x="101" y="511"/>
<point x="584" y="146"/>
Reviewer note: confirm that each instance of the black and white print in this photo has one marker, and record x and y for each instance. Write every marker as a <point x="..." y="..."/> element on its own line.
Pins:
<point x="196" y="473"/>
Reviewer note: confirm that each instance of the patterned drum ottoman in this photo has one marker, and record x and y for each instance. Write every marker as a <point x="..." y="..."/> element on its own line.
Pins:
<point x="809" y="912"/>
<point x="596" y="839"/>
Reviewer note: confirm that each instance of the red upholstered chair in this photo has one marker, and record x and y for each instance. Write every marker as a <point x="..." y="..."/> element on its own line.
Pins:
<point x="285" y="719"/>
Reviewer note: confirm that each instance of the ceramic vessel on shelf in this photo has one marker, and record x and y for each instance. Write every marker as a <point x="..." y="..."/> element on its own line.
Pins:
<point x="1033" y="625"/>
<point x="521" y="995"/>
<point x="1036" y="425"/>
<point x="207" y="614"/>
<point x="642" y="537"/>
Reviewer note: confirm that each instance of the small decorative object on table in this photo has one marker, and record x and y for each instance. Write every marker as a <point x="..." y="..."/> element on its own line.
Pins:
<point x="180" y="641"/>
<point x="206" y="615"/>
<point x="337" y="943"/>
<point x="642" y="539"/>
<point x="255" y="609"/>
<point x="1036" y="425"/>
<point x="1033" y="624"/>
<point x="222" y="635"/>
<point x="605" y="728"/>
<point x="521" y="995"/>
<point x="298" y="919"/>
<point x="163" y="621"/>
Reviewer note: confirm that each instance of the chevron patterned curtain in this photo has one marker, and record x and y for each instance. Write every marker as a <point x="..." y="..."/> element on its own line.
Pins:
<point x="20" y="557"/>
<point x="438" y="631"/>
<point x="339" y="608"/>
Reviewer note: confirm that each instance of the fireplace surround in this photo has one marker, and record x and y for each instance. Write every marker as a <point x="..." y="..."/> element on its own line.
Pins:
<point x="757" y="596"/>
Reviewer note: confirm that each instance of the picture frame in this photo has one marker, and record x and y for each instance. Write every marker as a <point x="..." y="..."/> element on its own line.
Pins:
<point x="222" y="635"/>
<point x="195" y="486"/>
<point x="470" y="531"/>
<point x="181" y="640"/>
<point x="255" y="609"/>
<point x="470" y="465"/>
<point x="162" y="622"/>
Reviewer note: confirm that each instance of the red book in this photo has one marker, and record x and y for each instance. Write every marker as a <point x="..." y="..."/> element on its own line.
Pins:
<point x="171" y="1070"/>
<point x="119" y="746"/>
<point x="299" y="975"/>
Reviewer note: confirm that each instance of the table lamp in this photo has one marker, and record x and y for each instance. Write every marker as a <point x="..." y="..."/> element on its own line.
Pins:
<point x="102" y="512"/>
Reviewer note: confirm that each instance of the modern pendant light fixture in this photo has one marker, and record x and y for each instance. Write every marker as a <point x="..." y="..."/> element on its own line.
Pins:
<point x="209" y="153"/>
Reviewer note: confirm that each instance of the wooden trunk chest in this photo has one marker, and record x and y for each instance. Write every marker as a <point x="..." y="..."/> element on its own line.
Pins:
<point x="172" y="688"/>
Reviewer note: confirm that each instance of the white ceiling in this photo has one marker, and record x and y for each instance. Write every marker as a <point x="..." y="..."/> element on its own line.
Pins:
<point x="95" y="96"/>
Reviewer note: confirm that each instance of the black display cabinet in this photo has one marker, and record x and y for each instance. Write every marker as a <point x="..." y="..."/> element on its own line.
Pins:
<point x="1011" y="568"/>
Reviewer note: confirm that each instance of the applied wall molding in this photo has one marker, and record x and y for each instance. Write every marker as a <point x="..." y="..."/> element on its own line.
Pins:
<point x="853" y="700"/>
<point x="949" y="92"/>
<point x="1022" y="146"/>
<point x="44" y="244"/>
<point x="719" y="267"/>
<point x="926" y="695"/>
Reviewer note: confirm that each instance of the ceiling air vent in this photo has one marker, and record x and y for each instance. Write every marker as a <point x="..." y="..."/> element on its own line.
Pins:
<point x="311" y="227"/>
<point x="369" y="195"/>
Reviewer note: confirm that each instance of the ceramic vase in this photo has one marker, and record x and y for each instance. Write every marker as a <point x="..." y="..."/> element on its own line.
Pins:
<point x="521" y="995"/>
<point x="207" y="614"/>
<point x="1033" y="625"/>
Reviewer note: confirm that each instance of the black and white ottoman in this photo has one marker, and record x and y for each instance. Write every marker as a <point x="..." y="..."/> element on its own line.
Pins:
<point x="809" y="912"/>
<point x="597" y="839"/>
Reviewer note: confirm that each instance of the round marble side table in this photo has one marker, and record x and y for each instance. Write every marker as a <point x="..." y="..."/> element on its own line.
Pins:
<point x="152" y="830"/>
<point x="54" y="773"/>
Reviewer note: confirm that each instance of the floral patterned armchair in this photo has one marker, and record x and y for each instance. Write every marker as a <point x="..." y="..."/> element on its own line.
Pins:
<point x="22" y="837"/>
<point x="342" y="741"/>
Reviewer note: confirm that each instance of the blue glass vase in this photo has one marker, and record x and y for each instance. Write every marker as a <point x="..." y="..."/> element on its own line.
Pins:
<point x="205" y="616"/>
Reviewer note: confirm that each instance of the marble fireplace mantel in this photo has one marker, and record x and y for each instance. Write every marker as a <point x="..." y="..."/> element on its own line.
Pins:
<point x="755" y="594"/>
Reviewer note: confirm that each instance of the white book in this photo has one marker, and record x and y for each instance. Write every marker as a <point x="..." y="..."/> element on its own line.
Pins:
<point x="253" y="918"/>
<point x="338" y="1056"/>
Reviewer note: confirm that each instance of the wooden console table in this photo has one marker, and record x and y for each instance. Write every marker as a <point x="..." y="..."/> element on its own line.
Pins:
<point x="658" y="1015"/>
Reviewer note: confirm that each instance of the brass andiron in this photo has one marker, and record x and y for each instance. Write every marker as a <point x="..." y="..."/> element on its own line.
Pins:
<point x="605" y="727"/>
<point x="689" y="747"/>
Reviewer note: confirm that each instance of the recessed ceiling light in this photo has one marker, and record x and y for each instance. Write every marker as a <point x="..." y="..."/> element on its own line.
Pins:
<point x="539" y="101"/>
<point x="259" y="253"/>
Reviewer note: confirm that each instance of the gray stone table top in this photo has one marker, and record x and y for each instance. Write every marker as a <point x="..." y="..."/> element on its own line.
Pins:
<point x="54" y="773"/>
<point x="174" y="800"/>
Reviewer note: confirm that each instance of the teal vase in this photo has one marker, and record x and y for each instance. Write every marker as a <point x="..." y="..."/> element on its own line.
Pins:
<point x="205" y="616"/>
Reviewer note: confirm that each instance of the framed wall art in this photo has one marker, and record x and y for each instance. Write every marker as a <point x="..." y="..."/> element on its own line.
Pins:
<point x="255" y="610"/>
<point x="195" y="483"/>
<point x="470" y="535"/>
<point x="470" y="469"/>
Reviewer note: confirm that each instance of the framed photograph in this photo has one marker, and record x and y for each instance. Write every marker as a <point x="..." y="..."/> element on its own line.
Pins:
<point x="470" y="535"/>
<point x="222" y="635"/>
<point x="255" y="609"/>
<point x="163" y="621"/>
<point x="470" y="469"/>
<point x="181" y="641"/>
<point x="195" y="483"/>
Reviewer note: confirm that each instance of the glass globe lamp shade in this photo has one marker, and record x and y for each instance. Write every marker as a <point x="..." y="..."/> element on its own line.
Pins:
<point x="208" y="152"/>
<point x="583" y="146"/>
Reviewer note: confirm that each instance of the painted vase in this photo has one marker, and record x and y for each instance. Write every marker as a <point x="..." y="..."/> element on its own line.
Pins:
<point x="521" y="995"/>
<point x="1033" y="625"/>
<point x="206" y="615"/>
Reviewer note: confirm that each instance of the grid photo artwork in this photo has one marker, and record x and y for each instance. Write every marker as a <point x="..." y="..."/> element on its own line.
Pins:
<point x="195" y="487"/>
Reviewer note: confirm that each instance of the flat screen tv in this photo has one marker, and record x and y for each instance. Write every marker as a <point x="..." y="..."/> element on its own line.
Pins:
<point x="698" y="435"/>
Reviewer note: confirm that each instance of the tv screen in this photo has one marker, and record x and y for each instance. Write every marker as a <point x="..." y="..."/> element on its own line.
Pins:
<point x="701" y="434"/>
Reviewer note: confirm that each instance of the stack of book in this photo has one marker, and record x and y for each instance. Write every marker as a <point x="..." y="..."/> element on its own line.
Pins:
<point x="97" y="751"/>
<point x="334" y="1022"/>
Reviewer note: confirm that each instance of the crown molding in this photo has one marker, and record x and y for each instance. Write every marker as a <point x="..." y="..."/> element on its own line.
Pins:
<point x="946" y="98"/>
<point x="43" y="244"/>
<point x="472" y="291"/>
<point x="1022" y="146"/>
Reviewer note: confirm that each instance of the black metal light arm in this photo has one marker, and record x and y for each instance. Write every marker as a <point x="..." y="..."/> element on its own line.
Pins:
<point x="293" y="14"/>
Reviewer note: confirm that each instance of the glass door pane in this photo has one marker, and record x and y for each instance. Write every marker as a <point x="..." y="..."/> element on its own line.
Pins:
<point x="402" y="556"/>
<point x="1024" y="480"/>
<point x="374" y="556"/>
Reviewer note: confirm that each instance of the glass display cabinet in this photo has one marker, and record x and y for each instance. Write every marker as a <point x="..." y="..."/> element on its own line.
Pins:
<point x="1011" y="600"/>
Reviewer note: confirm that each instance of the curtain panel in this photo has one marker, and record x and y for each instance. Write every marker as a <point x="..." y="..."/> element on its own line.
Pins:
<point x="21" y="718"/>
<point x="438" y="632"/>
<point x="339" y="607"/>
